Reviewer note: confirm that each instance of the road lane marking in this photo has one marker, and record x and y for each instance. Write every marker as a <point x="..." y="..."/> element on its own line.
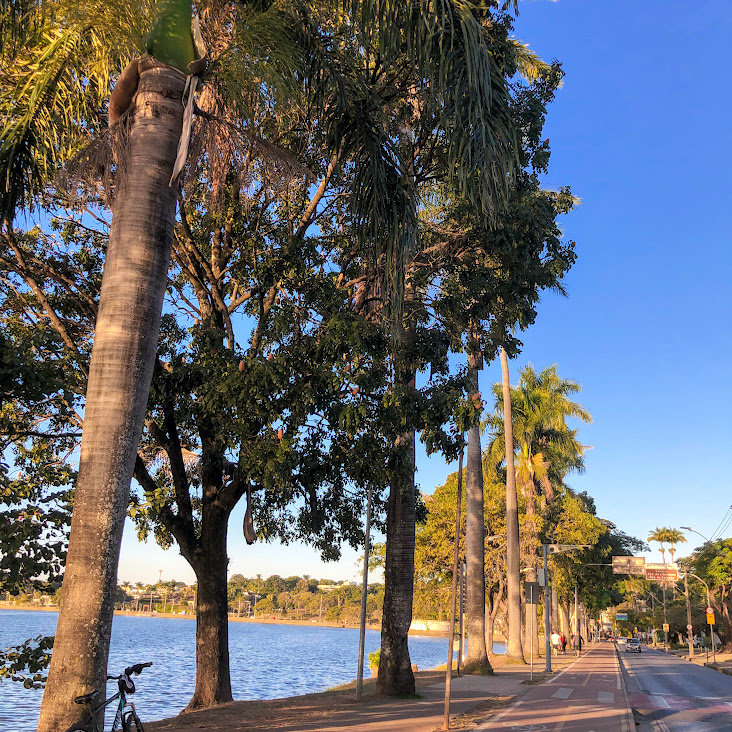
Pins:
<point x="587" y="680"/>
<point x="660" y="701"/>
<point x="489" y="724"/>
<point x="606" y="696"/>
<point x="562" y="693"/>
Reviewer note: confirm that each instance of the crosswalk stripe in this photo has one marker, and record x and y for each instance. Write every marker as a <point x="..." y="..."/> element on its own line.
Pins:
<point x="660" y="701"/>
<point x="563" y="693"/>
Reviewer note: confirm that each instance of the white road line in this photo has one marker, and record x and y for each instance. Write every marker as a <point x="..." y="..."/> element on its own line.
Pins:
<point x="489" y="724"/>
<point x="659" y="701"/>
<point x="563" y="693"/>
<point x="729" y="704"/>
<point x="606" y="696"/>
<point x="662" y="726"/>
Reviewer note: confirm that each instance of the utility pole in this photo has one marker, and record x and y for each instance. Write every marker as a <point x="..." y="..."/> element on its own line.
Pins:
<point x="576" y="622"/>
<point x="455" y="564"/>
<point x="364" y="593"/>
<point x="547" y="619"/>
<point x="548" y="549"/>
<point x="462" y="619"/>
<point x="689" y="626"/>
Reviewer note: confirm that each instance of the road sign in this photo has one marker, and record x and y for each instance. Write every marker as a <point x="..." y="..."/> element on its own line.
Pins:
<point x="690" y="627"/>
<point x="542" y="577"/>
<point x="710" y="610"/>
<point x="665" y="627"/>
<point x="531" y="591"/>
<point x="621" y="616"/>
<point x="662" y="572"/>
<point x="553" y="548"/>
<point x="629" y="565"/>
<point x="710" y="618"/>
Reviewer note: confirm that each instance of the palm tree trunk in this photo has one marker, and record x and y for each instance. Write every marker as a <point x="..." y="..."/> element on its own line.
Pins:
<point x="477" y="658"/>
<point x="213" y="681"/>
<point x="126" y="335"/>
<point x="514" y="651"/>
<point x="395" y="675"/>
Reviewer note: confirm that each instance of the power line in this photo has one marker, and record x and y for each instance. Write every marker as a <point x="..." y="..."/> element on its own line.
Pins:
<point x="724" y="518"/>
<point x="721" y="531"/>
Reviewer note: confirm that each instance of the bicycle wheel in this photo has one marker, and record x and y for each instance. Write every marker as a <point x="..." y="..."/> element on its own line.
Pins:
<point x="131" y="723"/>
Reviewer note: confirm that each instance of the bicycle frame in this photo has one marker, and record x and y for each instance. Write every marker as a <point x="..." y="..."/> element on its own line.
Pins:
<point x="117" y="724"/>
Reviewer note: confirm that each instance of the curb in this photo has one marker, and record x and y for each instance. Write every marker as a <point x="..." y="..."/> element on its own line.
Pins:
<point x="703" y="664"/>
<point x="628" y="719"/>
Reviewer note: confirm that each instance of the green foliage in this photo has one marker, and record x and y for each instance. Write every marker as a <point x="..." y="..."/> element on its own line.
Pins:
<point x="375" y="658"/>
<point x="170" y="39"/>
<point x="26" y="662"/>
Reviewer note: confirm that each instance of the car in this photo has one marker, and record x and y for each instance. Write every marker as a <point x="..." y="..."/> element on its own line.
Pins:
<point x="620" y="641"/>
<point x="632" y="644"/>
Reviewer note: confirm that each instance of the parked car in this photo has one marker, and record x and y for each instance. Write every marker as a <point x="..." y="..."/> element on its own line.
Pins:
<point x="632" y="644"/>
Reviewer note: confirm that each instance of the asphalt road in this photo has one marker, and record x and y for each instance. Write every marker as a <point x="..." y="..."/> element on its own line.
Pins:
<point x="669" y="694"/>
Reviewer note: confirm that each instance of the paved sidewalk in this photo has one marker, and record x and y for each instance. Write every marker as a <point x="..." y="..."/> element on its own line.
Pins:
<point x="588" y="696"/>
<point x="474" y="699"/>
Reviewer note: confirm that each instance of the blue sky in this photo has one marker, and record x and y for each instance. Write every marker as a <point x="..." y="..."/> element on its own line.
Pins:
<point x="641" y="132"/>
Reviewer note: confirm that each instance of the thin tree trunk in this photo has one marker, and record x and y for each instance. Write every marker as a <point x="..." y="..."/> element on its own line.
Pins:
<point x="213" y="682"/>
<point x="477" y="657"/>
<point x="126" y="335"/>
<point x="395" y="675"/>
<point x="514" y="651"/>
<point x="564" y="616"/>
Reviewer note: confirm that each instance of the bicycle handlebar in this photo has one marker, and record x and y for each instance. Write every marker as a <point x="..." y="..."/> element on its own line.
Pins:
<point x="134" y="669"/>
<point x="137" y="668"/>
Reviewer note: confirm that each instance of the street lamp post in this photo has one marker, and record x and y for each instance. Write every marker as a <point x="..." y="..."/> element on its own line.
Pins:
<point x="709" y="604"/>
<point x="689" y="626"/>
<point x="548" y="549"/>
<point x="709" y="601"/>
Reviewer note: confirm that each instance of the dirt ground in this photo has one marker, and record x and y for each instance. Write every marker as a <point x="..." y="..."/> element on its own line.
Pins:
<point x="293" y="713"/>
<point x="280" y="714"/>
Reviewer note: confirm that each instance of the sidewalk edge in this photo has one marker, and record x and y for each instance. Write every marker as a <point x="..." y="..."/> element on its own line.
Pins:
<point x="628" y="719"/>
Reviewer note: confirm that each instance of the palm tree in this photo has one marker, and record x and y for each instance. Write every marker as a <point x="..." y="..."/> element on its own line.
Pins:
<point x="477" y="657"/>
<point x="659" y="535"/>
<point x="139" y="248"/>
<point x="546" y="449"/>
<point x="673" y="537"/>
<point x="514" y="650"/>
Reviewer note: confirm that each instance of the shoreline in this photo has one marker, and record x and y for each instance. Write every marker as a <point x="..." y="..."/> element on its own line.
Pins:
<point x="234" y="619"/>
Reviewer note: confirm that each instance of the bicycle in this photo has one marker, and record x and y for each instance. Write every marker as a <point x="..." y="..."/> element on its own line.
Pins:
<point x="126" y="718"/>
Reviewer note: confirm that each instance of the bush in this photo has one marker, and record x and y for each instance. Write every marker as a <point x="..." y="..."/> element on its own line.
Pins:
<point x="375" y="658"/>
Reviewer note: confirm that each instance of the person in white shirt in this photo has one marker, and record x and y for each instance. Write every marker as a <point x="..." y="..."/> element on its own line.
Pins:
<point x="555" y="641"/>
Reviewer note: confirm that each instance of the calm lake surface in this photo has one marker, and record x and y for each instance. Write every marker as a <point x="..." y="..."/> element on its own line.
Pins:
<point x="267" y="661"/>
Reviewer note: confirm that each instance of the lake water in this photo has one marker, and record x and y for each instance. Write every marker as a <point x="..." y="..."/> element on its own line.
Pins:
<point x="267" y="661"/>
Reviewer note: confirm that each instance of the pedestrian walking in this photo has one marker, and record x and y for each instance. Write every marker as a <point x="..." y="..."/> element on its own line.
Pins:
<point x="578" y="641"/>
<point x="563" y="643"/>
<point x="556" y="641"/>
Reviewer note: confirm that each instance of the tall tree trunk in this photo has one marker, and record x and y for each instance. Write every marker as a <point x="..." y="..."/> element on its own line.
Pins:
<point x="395" y="675"/>
<point x="564" y="617"/>
<point x="213" y="682"/>
<point x="126" y="335"/>
<point x="514" y="651"/>
<point x="477" y="657"/>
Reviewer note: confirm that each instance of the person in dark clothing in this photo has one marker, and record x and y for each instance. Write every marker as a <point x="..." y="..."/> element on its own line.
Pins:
<point x="578" y="641"/>
<point x="564" y="643"/>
